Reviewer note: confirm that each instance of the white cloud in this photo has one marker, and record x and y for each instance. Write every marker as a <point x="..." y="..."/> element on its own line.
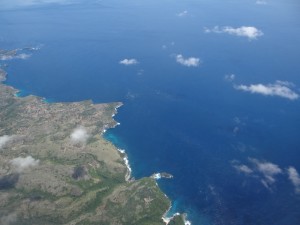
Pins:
<point x="279" y="88"/>
<point x="79" y="135"/>
<point x="285" y="83"/>
<point x="294" y="178"/>
<point x="189" y="62"/>
<point x="250" y="32"/>
<point x="183" y="13"/>
<point x="4" y="140"/>
<point x="140" y="72"/>
<point x="261" y="2"/>
<point x="128" y="62"/>
<point x="21" y="164"/>
<point x="269" y="170"/>
<point x="237" y="120"/>
<point x="165" y="46"/>
<point x="243" y="169"/>
<point x="266" y="172"/>
<point x="229" y="77"/>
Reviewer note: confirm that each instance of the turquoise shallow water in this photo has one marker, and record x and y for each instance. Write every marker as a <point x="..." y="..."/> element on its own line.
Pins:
<point x="229" y="150"/>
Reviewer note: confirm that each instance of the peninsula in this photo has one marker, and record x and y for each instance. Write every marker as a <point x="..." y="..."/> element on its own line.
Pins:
<point x="56" y="168"/>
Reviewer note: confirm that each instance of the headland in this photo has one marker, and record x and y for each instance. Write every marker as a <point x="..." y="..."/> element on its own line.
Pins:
<point x="56" y="167"/>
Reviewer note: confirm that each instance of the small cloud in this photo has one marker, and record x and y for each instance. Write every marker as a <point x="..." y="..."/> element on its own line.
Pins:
<point x="4" y="140"/>
<point x="264" y="171"/>
<point x="261" y="2"/>
<point x="269" y="170"/>
<point x="279" y="88"/>
<point x="229" y="77"/>
<point x="285" y="83"/>
<point x="189" y="62"/>
<point x="183" y="13"/>
<point x="237" y="120"/>
<point x="130" y="95"/>
<point x="250" y="32"/>
<point x="21" y="164"/>
<point x="294" y="178"/>
<point x="128" y="62"/>
<point x="235" y="130"/>
<point x="140" y="72"/>
<point x="243" y="169"/>
<point x="168" y="45"/>
<point x="79" y="135"/>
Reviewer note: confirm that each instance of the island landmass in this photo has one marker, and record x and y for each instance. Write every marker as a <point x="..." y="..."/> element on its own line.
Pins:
<point x="56" y="167"/>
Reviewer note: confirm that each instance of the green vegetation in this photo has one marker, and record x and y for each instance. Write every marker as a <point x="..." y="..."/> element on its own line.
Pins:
<point x="50" y="176"/>
<point x="177" y="220"/>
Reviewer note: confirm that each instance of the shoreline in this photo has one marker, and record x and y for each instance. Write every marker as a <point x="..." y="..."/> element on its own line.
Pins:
<point x="167" y="219"/>
<point x="126" y="161"/>
<point x="112" y="124"/>
<point x="121" y="151"/>
<point x="155" y="176"/>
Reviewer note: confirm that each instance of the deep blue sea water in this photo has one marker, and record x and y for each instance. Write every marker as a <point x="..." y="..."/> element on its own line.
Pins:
<point x="188" y="121"/>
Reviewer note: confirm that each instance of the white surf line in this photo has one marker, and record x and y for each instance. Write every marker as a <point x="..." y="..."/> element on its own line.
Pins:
<point x="126" y="161"/>
<point x="167" y="220"/>
<point x="156" y="176"/>
<point x="106" y="127"/>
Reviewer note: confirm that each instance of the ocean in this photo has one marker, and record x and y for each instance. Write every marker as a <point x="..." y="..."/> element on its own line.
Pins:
<point x="211" y="93"/>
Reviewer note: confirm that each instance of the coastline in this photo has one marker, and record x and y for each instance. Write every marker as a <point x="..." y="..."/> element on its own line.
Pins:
<point x="121" y="151"/>
<point x="126" y="161"/>
<point x="156" y="176"/>
<point x="110" y="124"/>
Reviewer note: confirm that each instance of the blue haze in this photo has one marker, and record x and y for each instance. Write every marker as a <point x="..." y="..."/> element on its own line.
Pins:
<point x="178" y="119"/>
